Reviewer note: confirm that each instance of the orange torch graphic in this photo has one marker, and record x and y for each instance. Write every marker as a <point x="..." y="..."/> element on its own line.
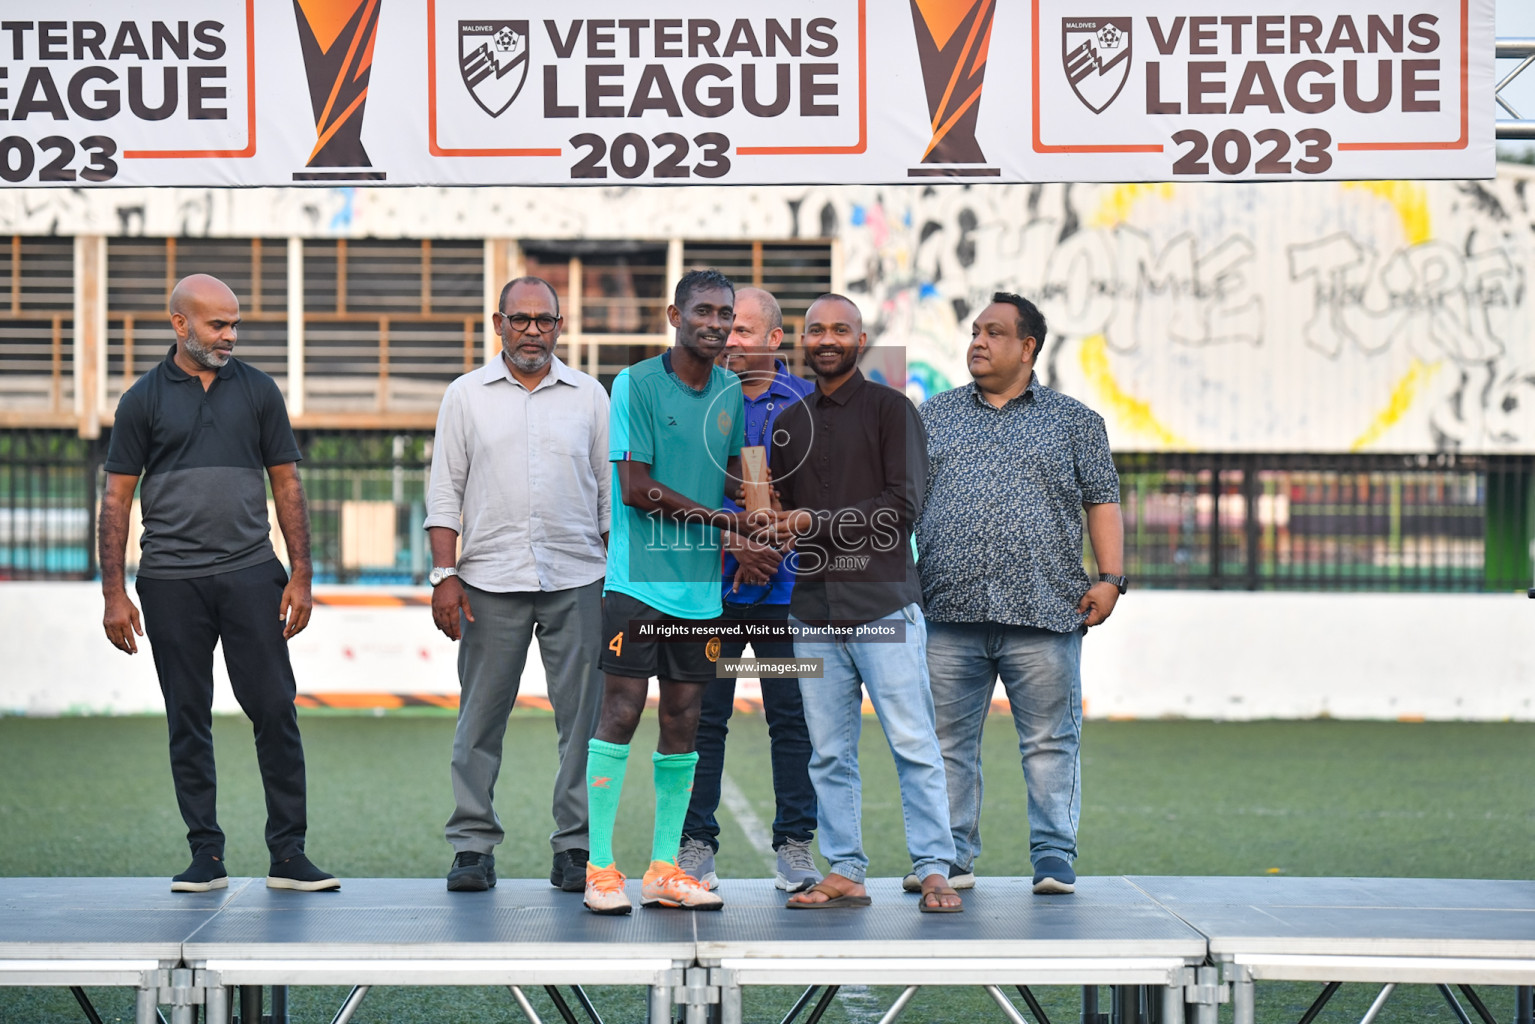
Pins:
<point x="337" y="39"/>
<point x="953" y="37"/>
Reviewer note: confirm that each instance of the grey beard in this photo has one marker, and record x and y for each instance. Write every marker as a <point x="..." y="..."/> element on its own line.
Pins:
<point x="530" y="365"/>
<point x="203" y="355"/>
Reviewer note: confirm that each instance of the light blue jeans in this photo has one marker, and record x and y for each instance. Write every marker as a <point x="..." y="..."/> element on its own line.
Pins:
<point x="895" y="675"/>
<point x="1042" y="674"/>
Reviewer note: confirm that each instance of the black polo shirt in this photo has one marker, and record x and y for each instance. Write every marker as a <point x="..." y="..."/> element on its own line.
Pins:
<point x="857" y="458"/>
<point x="203" y="455"/>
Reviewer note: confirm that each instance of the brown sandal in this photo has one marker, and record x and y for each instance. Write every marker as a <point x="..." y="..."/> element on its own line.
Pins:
<point x="834" y="898"/>
<point x="937" y="907"/>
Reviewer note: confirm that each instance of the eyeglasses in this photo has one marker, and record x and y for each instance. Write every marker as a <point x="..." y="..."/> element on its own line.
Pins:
<point x="521" y="321"/>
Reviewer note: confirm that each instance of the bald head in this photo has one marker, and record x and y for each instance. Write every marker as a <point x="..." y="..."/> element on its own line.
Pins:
<point x="755" y="334"/>
<point x="834" y="339"/>
<point x="763" y="304"/>
<point x="200" y="289"/>
<point x="833" y="308"/>
<point x="204" y="314"/>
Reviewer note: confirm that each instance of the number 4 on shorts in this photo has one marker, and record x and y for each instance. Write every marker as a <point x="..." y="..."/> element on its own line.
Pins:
<point x="616" y="645"/>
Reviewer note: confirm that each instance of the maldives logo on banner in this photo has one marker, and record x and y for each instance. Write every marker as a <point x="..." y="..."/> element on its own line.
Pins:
<point x="493" y="61"/>
<point x="337" y="37"/>
<point x="1096" y="54"/>
<point x="953" y="38"/>
<point x="1226" y="90"/>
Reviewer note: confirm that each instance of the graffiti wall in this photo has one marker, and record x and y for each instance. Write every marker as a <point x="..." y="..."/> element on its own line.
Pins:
<point x="1313" y="317"/>
<point x="1387" y="316"/>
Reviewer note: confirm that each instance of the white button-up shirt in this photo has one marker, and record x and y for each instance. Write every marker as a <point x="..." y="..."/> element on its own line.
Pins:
<point x="523" y="476"/>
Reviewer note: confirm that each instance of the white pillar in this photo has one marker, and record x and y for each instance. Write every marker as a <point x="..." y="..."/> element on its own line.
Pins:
<point x="295" y="327"/>
<point x="673" y="267"/>
<point x="90" y="341"/>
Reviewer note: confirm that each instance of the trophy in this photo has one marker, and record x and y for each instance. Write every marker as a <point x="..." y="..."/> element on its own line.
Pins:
<point x="337" y="37"/>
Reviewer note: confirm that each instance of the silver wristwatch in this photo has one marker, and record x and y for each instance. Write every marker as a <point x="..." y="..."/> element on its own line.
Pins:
<point x="1119" y="581"/>
<point x="440" y="573"/>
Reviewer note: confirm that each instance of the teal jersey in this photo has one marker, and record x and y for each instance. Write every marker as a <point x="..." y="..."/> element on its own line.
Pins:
<point x="686" y="437"/>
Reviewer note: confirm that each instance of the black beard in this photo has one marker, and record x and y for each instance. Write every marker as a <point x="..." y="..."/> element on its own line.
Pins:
<point x="848" y="362"/>
<point x="696" y="345"/>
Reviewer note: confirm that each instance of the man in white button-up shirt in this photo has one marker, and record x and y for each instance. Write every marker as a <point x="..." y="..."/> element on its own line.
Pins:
<point x="520" y="471"/>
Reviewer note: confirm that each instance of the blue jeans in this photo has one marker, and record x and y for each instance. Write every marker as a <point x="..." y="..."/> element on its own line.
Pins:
<point x="788" y="741"/>
<point x="895" y="675"/>
<point x="1042" y="674"/>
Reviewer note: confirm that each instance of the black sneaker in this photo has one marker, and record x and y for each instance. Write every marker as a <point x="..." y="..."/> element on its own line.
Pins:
<point x="205" y="872"/>
<point x="297" y="873"/>
<point x="569" y="871"/>
<point x="1053" y="876"/>
<point x="472" y="872"/>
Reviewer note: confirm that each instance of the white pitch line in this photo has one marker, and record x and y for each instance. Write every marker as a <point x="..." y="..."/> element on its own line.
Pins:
<point x="860" y="1005"/>
<point x="740" y="808"/>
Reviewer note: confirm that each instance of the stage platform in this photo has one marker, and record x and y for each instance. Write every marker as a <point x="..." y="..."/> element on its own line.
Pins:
<point x="1383" y="930"/>
<point x="1171" y="948"/>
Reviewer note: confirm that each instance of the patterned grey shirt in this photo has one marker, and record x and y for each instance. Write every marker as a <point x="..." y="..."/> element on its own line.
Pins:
<point x="1000" y="537"/>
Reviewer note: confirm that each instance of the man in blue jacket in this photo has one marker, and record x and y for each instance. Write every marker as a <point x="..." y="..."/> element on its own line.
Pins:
<point x="757" y="585"/>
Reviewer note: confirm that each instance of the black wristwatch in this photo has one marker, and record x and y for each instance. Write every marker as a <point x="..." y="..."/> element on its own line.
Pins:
<point x="1122" y="582"/>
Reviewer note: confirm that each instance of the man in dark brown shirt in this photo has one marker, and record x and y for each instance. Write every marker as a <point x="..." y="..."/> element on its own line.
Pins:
<point x="850" y="464"/>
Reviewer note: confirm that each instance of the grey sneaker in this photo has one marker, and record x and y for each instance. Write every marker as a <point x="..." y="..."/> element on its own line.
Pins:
<point x="696" y="858"/>
<point x="796" y="867"/>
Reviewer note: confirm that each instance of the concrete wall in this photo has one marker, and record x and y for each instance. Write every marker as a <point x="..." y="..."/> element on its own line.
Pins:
<point x="1202" y="654"/>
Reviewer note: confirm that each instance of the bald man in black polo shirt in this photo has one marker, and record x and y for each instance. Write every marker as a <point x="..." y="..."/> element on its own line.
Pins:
<point x="204" y="430"/>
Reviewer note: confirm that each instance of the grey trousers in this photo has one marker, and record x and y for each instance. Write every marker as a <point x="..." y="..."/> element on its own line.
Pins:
<point x="491" y="655"/>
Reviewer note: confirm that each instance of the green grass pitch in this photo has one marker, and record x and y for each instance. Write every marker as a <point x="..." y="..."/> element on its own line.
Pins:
<point x="92" y="796"/>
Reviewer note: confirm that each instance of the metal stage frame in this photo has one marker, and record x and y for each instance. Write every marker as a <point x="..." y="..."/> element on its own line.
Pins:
<point x="1386" y="931"/>
<point x="1171" y="948"/>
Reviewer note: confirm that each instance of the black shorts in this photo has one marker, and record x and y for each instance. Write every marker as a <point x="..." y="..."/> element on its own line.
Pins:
<point x="634" y="657"/>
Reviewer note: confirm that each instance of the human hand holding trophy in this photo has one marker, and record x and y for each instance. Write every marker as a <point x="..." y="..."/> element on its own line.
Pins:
<point x="759" y="497"/>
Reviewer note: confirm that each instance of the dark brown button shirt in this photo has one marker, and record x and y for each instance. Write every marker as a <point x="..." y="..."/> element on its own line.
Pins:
<point x="857" y="458"/>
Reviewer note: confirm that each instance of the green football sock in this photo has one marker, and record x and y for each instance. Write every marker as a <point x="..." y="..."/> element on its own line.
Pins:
<point x="674" y="789"/>
<point x="605" y="763"/>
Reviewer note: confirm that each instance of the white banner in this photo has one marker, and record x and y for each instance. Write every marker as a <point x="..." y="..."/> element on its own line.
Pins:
<point x="1352" y="665"/>
<point x="461" y="92"/>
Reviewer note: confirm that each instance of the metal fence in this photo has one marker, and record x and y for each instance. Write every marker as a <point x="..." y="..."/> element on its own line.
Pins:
<point x="367" y="506"/>
<point x="1439" y="522"/>
<point x="1328" y="522"/>
<point x="48" y="481"/>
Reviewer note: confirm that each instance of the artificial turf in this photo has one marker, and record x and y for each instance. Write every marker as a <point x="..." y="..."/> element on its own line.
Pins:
<point x="92" y="796"/>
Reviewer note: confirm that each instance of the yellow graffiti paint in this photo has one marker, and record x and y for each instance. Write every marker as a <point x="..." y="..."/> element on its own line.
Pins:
<point x="1129" y="412"/>
<point x="1403" y="395"/>
<point x="1410" y="200"/>
<point x="1115" y="207"/>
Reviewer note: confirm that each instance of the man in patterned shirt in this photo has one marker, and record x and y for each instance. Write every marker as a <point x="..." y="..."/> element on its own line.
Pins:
<point x="1013" y="465"/>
